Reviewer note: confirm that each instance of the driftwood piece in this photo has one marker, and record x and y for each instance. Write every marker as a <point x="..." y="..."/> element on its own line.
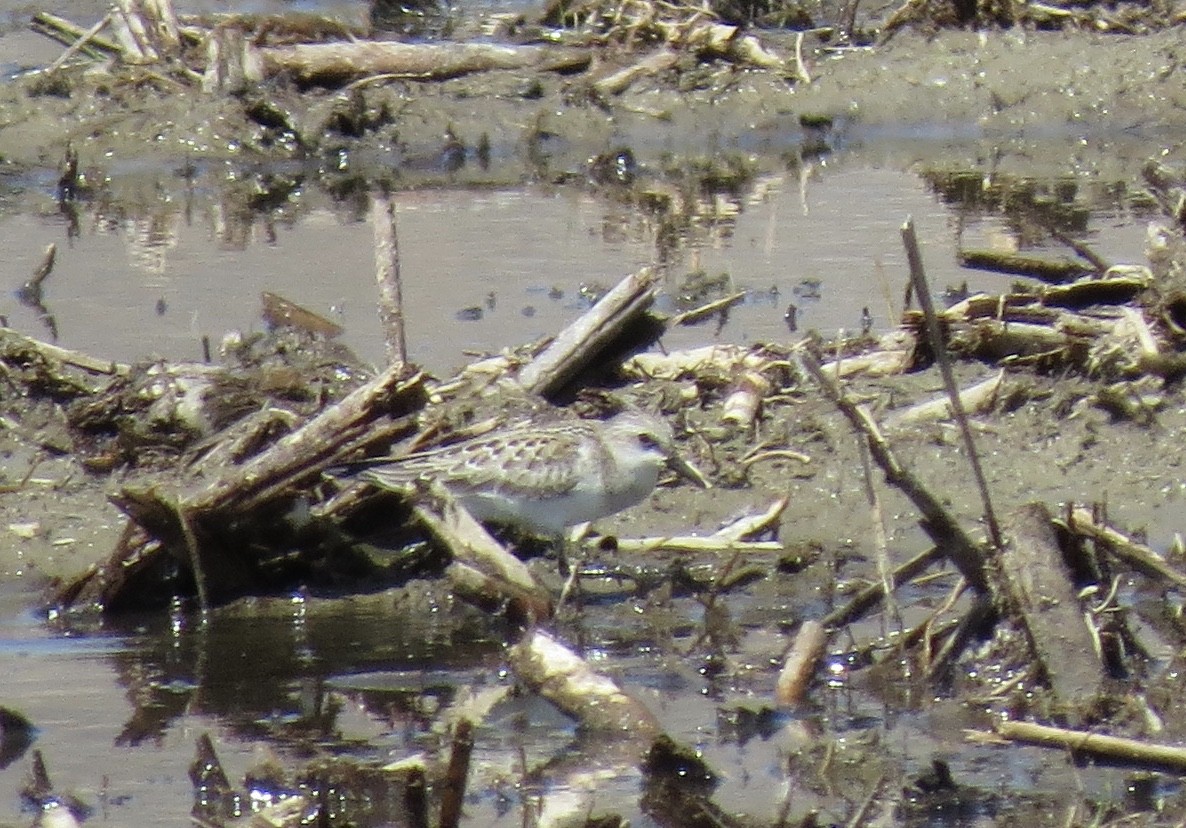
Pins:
<point x="691" y="544"/>
<point x="338" y="63"/>
<point x="732" y="43"/>
<point x="482" y="572"/>
<point x="79" y="45"/>
<point x="233" y="64"/>
<point x="55" y="354"/>
<point x="147" y="30"/>
<point x="1083" y="743"/>
<point x="800" y="663"/>
<point x="975" y="399"/>
<point x="278" y="312"/>
<point x="1121" y="284"/>
<point x="620" y="81"/>
<point x="990" y="339"/>
<point x="871" y="364"/>
<point x="1051" y="272"/>
<point x="387" y="276"/>
<point x="752" y="524"/>
<point x="164" y="520"/>
<point x="301" y="455"/>
<point x="708" y="309"/>
<point x="67" y="33"/>
<point x="1040" y="590"/>
<point x="568" y="681"/>
<point x="1140" y="557"/>
<point x="577" y="345"/>
<point x="744" y="402"/>
<point x="725" y="359"/>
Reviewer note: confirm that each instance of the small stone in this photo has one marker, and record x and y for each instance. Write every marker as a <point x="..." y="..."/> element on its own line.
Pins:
<point x="27" y="530"/>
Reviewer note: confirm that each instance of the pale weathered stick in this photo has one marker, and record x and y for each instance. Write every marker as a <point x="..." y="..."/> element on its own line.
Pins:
<point x="166" y="32"/>
<point x="706" y="310"/>
<point x="232" y="62"/>
<point x="54" y="353"/>
<point x="1138" y="556"/>
<point x="78" y="45"/>
<point x="505" y="579"/>
<point x="884" y="363"/>
<point x="580" y="342"/>
<point x="693" y="543"/>
<point x="675" y="364"/>
<point x="342" y="62"/>
<point x="1114" y="748"/>
<point x="744" y="402"/>
<point x="976" y="398"/>
<point x="131" y="32"/>
<point x="752" y="524"/>
<point x="67" y="33"/>
<point x="568" y="681"/>
<point x="799" y="665"/>
<point x="880" y="539"/>
<point x="620" y="81"/>
<point x="391" y="298"/>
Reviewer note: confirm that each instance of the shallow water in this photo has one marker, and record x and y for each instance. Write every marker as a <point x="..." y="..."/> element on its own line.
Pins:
<point x="374" y="678"/>
<point x="153" y="269"/>
<point x="157" y="265"/>
<point x="161" y="261"/>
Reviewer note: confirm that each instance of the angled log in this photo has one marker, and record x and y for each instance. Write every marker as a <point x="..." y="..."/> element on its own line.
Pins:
<point x="577" y="345"/>
<point x="1045" y="270"/>
<point x="1040" y="591"/>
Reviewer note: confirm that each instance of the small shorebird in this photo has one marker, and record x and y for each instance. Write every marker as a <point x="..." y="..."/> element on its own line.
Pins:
<point x="544" y="477"/>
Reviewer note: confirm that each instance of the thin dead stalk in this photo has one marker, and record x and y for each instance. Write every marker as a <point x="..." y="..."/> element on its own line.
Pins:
<point x="1082" y="522"/>
<point x="800" y="65"/>
<point x="938" y="522"/>
<point x="78" y="45"/>
<point x="877" y="517"/>
<point x="195" y="561"/>
<point x="870" y="595"/>
<point x="456" y="775"/>
<point x="387" y="275"/>
<point x="918" y="279"/>
<point x="1083" y="743"/>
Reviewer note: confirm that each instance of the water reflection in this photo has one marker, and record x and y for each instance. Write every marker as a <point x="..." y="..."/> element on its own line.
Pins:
<point x="281" y="669"/>
<point x="488" y="268"/>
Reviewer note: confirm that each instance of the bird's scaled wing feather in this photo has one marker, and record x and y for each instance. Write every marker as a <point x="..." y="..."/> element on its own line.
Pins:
<point x="530" y="463"/>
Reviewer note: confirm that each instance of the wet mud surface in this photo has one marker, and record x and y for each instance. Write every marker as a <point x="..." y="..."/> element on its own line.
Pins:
<point x="303" y="676"/>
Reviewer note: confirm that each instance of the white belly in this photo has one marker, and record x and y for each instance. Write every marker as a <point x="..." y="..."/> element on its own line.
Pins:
<point x="552" y="515"/>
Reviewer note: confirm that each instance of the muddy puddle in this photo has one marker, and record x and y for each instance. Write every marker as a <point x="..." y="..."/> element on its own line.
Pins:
<point x="154" y="264"/>
<point x="373" y="679"/>
<point x="161" y="261"/>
